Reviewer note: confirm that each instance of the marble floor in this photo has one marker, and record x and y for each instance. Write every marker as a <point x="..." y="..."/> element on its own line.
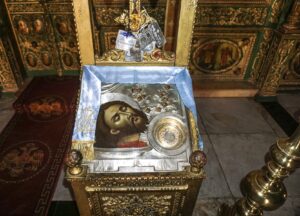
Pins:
<point x="237" y="133"/>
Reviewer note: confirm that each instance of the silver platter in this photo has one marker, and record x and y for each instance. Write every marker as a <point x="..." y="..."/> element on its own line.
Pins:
<point x="168" y="134"/>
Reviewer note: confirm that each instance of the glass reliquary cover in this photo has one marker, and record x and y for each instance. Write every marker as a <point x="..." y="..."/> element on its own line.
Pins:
<point x="134" y="119"/>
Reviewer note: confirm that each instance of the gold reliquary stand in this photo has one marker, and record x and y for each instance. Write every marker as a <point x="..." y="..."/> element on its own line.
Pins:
<point x="139" y="193"/>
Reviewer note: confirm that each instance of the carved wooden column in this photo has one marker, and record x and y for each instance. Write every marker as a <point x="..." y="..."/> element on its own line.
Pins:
<point x="185" y="32"/>
<point x="84" y="31"/>
<point x="7" y="80"/>
<point x="10" y="70"/>
<point x="290" y="78"/>
<point x="281" y="64"/>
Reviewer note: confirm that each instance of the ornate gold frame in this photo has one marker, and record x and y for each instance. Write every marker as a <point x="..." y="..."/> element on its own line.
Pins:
<point x="244" y="40"/>
<point x="183" y="45"/>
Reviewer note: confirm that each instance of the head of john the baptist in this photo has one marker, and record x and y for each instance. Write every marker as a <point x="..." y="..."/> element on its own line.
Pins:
<point x="119" y="124"/>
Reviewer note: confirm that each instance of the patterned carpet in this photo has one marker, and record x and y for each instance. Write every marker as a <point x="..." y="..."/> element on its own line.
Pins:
<point x="34" y="143"/>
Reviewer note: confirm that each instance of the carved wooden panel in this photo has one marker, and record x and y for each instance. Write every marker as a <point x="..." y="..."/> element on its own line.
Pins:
<point x="239" y="13"/>
<point x="221" y="55"/>
<point x="231" y="16"/>
<point x="138" y="194"/>
<point x="36" y="41"/>
<point x="164" y="203"/>
<point x="291" y="72"/>
<point x="45" y="34"/>
<point x="261" y="19"/>
<point x="65" y="36"/>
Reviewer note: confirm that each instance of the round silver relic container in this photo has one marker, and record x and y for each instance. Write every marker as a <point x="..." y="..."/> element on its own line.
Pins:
<point x="167" y="134"/>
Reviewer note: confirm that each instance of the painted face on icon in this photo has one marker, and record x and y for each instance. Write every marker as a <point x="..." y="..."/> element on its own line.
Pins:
<point x="22" y="27"/>
<point x="38" y="25"/>
<point x="121" y="117"/>
<point x="62" y="28"/>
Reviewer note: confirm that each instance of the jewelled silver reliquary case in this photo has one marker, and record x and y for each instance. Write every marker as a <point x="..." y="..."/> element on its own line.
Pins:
<point x="134" y="119"/>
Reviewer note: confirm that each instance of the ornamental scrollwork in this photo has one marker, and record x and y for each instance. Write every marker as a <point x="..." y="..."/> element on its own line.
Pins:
<point x="176" y="181"/>
<point x="276" y="10"/>
<point x="106" y="16"/>
<point x="14" y="65"/>
<point x="262" y="53"/>
<point x="118" y="56"/>
<point x="159" y="14"/>
<point x="280" y="61"/>
<point x="291" y="74"/>
<point x="6" y="74"/>
<point x="230" y="16"/>
<point x="31" y="7"/>
<point x="85" y="147"/>
<point x="136" y="205"/>
<point x="60" y="8"/>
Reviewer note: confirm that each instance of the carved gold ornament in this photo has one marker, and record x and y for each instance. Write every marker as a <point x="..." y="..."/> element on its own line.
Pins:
<point x="157" y="56"/>
<point x="276" y="9"/>
<point x="7" y="80"/>
<point x="136" y="205"/>
<point x="280" y="62"/>
<point x="228" y="16"/>
<point x="261" y="55"/>
<point x="86" y="148"/>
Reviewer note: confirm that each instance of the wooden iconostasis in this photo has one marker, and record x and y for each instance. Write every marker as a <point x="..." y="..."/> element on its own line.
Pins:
<point x="45" y="34"/>
<point x="252" y="41"/>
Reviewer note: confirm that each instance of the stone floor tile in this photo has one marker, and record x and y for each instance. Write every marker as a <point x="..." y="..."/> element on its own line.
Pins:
<point x="209" y="207"/>
<point x="5" y="116"/>
<point x="63" y="189"/>
<point x="215" y="183"/>
<point x="289" y="100"/>
<point x="292" y="184"/>
<point x="201" y="127"/>
<point x="285" y="210"/>
<point x="6" y="103"/>
<point x="6" y="111"/>
<point x="231" y="115"/>
<point x="294" y="112"/>
<point x="239" y="154"/>
<point x="296" y="205"/>
<point x="272" y="123"/>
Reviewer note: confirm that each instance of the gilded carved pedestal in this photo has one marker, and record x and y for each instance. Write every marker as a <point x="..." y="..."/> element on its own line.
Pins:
<point x="138" y="194"/>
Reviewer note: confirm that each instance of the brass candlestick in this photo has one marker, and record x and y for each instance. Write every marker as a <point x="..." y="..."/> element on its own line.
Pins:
<point x="264" y="189"/>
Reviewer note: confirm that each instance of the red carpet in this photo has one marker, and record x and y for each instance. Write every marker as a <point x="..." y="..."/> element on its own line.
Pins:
<point x="34" y="143"/>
